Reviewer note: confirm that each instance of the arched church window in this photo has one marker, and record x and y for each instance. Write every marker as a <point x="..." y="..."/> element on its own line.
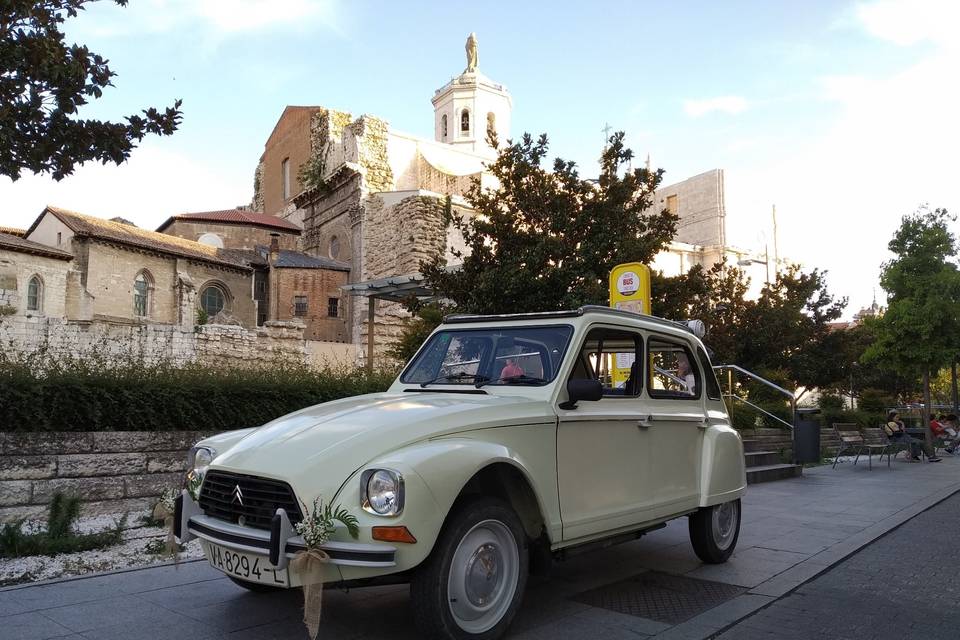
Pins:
<point x="142" y="285"/>
<point x="212" y="300"/>
<point x="334" y="247"/>
<point x="465" y="121"/>
<point x="35" y="294"/>
<point x="491" y="123"/>
<point x="443" y="127"/>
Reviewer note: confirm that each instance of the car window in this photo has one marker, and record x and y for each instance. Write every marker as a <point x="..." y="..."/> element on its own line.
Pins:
<point x="610" y="355"/>
<point x="709" y="376"/>
<point x="492" y="356"/>
<point x="673" y="372"/>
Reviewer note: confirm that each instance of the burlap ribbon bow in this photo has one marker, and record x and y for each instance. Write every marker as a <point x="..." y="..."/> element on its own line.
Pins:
<point x="309" y="564"/>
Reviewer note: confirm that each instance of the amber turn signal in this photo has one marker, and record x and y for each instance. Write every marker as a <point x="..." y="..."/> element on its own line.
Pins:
<point x="393" y="534"/>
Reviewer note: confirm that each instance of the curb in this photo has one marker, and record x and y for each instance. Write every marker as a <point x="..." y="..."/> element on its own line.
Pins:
<point x="98" y="574"/>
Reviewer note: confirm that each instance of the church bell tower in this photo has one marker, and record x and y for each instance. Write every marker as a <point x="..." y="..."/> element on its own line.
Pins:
<point x="469" y="105"/>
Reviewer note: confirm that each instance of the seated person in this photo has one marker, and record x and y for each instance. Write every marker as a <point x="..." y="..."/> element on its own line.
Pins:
<point x="897" y="432"/>
<point x="511" y="369"/>
<point x="946" y="431"/>
<point x="685" y="373"/>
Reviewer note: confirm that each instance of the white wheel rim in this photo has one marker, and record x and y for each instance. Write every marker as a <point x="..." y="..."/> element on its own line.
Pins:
<point x="723" y="522"/>
<point x="483" y="576"/>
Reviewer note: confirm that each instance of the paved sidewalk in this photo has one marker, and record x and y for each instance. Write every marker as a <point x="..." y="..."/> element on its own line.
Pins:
<point x="904" y="585"/>
<point x="792" y="531"/>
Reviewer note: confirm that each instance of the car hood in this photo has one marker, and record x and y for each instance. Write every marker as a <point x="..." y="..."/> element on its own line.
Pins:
<point x="318" y="448"/>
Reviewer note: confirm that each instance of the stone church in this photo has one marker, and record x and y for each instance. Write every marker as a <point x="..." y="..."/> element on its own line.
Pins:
<point x="380" y="207"/>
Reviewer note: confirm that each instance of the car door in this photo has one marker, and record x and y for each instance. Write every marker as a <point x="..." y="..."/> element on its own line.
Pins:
<point x="602" y="449"/>
<point x="676" y="419"/>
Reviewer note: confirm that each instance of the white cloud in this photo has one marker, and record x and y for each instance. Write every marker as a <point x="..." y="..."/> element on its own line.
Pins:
<point x="723" y="104"/>
<point x="153" y="185"/>
<point x="908" y="22"/>
<point x="890" y="147"/>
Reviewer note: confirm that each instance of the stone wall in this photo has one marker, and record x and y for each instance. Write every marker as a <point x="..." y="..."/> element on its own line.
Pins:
<point x="110" y="471"/>
<point x="397" y="238"/>
<point x="233" y="236"/>
<point x="700" y="207"/>
<point x="16" y="269"/>
<point x="222" y="344"/>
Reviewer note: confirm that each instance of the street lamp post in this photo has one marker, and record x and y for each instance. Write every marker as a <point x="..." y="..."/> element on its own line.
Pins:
<point x="746" y="262"/>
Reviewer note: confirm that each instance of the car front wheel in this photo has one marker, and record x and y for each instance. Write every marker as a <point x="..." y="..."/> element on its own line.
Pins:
<point x="714" y="531"/>
<point x="472" y="584"/>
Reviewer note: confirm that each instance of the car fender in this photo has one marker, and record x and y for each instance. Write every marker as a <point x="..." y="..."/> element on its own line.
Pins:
<point x="723" y="475"/>
<point x="434" y="472"/>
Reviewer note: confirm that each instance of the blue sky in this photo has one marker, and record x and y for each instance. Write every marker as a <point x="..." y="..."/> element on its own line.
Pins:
<point x="841" y="113"/>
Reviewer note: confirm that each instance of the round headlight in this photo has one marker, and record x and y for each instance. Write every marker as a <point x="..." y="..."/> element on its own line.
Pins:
<point x="383" y="492"/>
<point x="200" y="458"/>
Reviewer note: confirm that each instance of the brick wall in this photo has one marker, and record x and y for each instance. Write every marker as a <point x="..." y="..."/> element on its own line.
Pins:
<point x="290" y="139"/>
<point x="110" y="471"/>
<point x="317" y="286"/>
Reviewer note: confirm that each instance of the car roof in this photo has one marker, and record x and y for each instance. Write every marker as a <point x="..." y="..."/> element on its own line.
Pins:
<point x="587" y="310"/>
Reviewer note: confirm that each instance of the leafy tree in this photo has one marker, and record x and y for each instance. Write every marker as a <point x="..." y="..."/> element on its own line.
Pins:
<point x="545" y="240"/>
<point x="426" y="318"/>
<point x="920" y="330"/>
<point x="44" y="82"/>
<point x="785" y="333"/>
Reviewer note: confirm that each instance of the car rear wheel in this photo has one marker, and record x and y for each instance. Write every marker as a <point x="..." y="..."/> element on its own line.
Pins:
<point x="472" y="584"/>
<point x="714" y="531"/>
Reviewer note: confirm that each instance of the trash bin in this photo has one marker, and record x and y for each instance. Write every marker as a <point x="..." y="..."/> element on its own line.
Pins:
<point x="806" y="436"/>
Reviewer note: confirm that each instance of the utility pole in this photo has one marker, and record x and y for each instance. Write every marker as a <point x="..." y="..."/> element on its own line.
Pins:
<point x="776" y="248"/>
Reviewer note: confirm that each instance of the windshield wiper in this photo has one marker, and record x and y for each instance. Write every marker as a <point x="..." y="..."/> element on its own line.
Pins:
<point x="456" y="376"/>
<point x="521" y="379"/>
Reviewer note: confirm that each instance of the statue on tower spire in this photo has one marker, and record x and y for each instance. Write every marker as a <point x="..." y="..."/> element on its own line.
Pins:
<point x="473" y="56"/>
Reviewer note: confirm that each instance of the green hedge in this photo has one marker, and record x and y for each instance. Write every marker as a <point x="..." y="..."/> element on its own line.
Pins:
<point x="77" y="395"/>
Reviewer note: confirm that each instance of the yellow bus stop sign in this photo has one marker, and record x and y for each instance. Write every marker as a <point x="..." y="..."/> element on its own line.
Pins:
<point x="629" y="291"/>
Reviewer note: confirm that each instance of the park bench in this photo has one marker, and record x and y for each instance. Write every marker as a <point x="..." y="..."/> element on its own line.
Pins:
<point x="853" y="441"/>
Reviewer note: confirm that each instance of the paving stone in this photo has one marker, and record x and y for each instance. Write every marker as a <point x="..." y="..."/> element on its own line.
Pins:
<point x="31" y="626"/>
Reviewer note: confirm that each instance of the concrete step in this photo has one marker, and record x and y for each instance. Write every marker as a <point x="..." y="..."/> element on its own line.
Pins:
<point x="770" y="472"/>
<point x="753" y="444"/>
<point x="761" y="458"/>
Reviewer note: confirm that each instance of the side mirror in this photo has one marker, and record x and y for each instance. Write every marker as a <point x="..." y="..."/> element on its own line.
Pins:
<point x="582" y="389"/>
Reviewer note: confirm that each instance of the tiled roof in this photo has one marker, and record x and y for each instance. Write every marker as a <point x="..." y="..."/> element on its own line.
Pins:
<point x="16" y="243"/>
<point x="89" y="226"/>
<point x="234" y="216"/>
<point x="13" y="231"/>
<point x="286" y="260"/>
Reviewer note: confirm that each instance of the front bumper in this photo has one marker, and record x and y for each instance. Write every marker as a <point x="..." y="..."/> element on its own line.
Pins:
<point x="279" y="545"/>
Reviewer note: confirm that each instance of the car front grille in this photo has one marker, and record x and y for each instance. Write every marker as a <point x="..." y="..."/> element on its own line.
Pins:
<point x="232" y="496"/>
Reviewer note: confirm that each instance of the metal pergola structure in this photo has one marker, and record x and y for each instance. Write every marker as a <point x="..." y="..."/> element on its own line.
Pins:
<point x="394" y="289"/>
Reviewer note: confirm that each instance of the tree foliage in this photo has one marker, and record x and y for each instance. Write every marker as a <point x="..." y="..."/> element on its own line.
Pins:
<point x="920" y="331"/>
<point x="43" y="84"/>
<point x="785" y="333"/>
<point x="546" y="239"/>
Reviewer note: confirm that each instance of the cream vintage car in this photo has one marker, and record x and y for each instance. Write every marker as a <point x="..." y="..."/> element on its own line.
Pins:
<point x="507" y="442"/>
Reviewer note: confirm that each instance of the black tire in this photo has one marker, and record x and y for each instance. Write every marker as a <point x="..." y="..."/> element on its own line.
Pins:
<point x="255" y="587"/>
<point x="714" y="531"/>
<point x="483" y="525"/>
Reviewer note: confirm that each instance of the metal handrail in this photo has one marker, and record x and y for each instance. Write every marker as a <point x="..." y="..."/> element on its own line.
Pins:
<point x="730" y="368"/>
<point x="758" y="408"/>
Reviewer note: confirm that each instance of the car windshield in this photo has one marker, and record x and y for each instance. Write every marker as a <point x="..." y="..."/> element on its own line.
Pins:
<point x="494" y="356"/>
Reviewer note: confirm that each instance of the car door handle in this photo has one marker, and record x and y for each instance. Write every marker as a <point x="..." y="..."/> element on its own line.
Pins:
<point x="645" y="422"/>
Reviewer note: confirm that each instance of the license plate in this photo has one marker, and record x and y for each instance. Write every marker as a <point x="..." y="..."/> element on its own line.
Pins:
<point x="245" y="566"/>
